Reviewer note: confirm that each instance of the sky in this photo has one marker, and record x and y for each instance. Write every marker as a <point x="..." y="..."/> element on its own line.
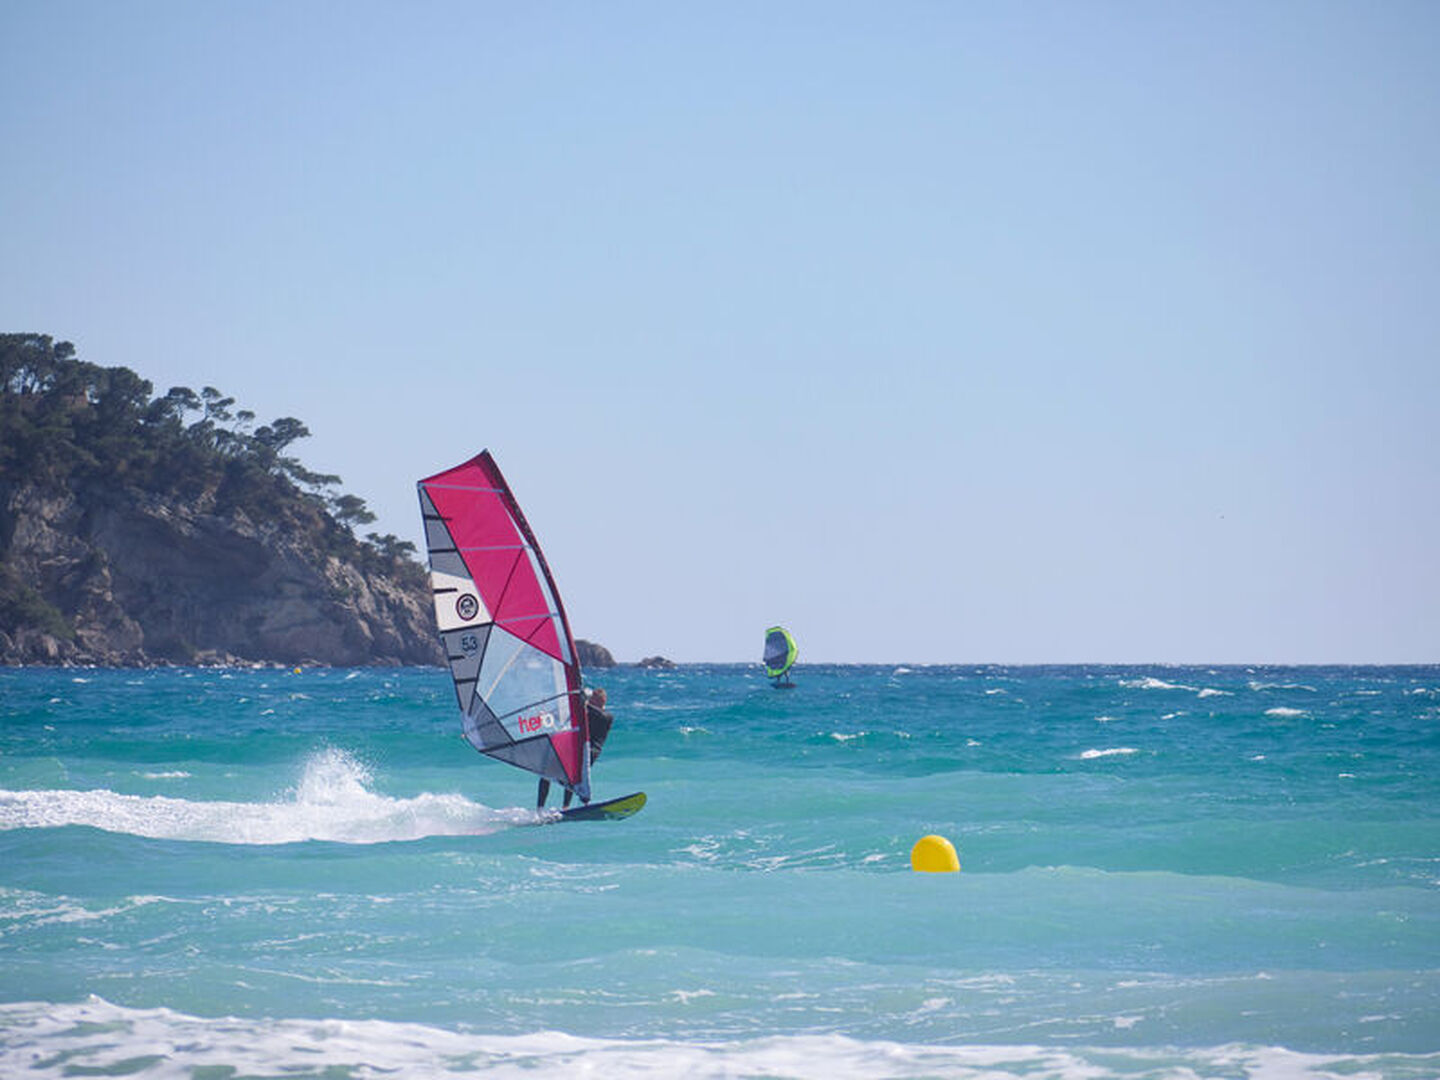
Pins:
<point x="1025" y="332"/>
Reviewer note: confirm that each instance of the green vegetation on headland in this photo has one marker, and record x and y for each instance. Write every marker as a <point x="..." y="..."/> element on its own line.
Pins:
<point x="140" y="529"/>
<point x="63" y="420"/>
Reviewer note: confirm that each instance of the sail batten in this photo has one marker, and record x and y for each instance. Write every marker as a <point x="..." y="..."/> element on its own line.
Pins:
<point x="503" y="627"/>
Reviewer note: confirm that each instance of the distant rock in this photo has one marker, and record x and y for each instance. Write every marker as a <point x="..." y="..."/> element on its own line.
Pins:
<point x="656" y="662"/>
<point x="592" y="655"/>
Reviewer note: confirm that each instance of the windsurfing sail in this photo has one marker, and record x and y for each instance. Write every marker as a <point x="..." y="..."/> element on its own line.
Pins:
<point x="511" y="654"/>
<point x="780" y="652"/>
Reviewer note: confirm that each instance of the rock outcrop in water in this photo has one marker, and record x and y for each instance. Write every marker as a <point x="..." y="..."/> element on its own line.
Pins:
<point x="592" y="655"/>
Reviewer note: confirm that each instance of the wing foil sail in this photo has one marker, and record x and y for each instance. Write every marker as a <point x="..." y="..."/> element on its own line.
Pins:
<point x="508" y="643"/>
<point x="780" y="652"/>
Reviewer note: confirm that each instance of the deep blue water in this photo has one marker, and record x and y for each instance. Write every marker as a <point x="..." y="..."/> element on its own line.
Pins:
<point x="1165" y="872"/>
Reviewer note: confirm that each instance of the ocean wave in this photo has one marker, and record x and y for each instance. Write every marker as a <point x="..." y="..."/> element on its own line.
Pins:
<point x="1285" y="713"/>
<point x="332" y="801"/>
<point x="49" y="1041"/>
<point x="1115" y="751"/>
<point x="1152" y="683"/>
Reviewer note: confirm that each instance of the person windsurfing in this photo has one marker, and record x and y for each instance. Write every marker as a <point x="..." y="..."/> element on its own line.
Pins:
<point x="600" y="724"/>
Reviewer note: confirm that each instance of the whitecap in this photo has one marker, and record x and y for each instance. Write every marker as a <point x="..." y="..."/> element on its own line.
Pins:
<point x="1152" y="683"/>
<point x="332" y="801"/>
<point x="1090" y="755"/>
<point x="1284" y="712"/>
<point x="96" y="1038"/>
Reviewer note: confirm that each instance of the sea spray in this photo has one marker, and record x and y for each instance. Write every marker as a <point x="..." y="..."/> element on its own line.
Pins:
<point x="332" y="801"/>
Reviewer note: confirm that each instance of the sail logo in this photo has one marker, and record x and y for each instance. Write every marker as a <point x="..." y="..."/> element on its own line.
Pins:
<point x="529" y="725"/>
<point x="467" y="607"/>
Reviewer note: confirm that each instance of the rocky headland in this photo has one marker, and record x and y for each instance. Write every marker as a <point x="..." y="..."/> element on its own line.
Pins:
<point x="138" y="530"/>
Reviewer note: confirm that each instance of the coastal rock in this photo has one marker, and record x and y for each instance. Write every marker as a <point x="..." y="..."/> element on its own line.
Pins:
<point x="656" y="662"/>
<point x="592" y="655"/>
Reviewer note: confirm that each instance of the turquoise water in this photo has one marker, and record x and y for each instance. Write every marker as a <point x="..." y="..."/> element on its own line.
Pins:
<point x="1167" y="872"/>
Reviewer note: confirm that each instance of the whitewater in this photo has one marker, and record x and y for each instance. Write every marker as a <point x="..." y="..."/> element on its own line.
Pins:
<point x="1166" y="872"/>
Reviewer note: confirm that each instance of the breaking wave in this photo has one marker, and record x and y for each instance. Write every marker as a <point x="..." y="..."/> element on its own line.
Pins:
<point x="332" y="801"/>
<point x="96" y="1038"/>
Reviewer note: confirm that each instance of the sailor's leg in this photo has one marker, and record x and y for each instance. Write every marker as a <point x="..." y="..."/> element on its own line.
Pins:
<point x="542" y="793"/>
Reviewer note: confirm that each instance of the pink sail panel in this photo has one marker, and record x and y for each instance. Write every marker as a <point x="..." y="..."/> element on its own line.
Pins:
<point x="477" y="506"/>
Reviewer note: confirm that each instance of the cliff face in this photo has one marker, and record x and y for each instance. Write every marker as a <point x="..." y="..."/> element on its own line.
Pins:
<point x="121" y="577"/>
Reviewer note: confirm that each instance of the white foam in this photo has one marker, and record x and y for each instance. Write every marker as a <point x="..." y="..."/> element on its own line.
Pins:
<point x="1211" y="692"/>
<point x="47" y="1041"/>
<point x="1112" y="752"/>
<point x="1282" y="711"/>
<point x="1152" y="683"/>
<point x="37" y="909"/>
<point x="332" y="801"/>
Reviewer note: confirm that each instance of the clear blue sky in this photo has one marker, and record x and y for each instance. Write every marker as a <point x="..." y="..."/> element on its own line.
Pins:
<point x="1013" y="332"/>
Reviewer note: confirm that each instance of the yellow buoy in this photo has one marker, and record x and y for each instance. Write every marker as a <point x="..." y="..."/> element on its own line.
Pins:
<point x="934" y="855"/>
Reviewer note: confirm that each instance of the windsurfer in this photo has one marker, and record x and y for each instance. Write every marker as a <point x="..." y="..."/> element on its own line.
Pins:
<point x="600" y="723"/>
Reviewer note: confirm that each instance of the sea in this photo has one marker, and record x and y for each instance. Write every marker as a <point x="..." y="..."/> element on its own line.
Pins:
<point x="1166" y="872"/>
